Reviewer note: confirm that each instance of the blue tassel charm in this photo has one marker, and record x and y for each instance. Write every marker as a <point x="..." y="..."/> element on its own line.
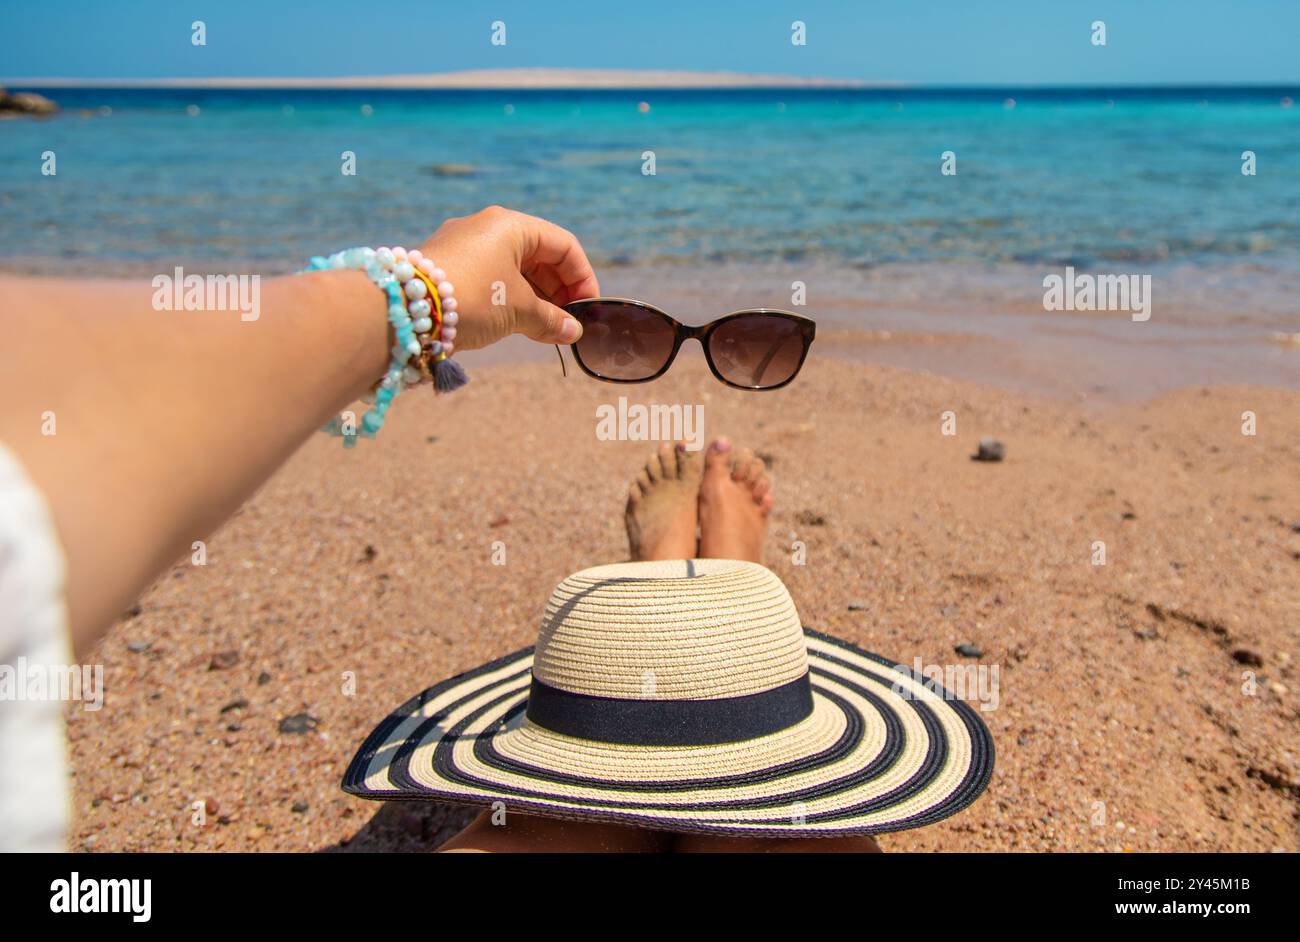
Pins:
<point x="448" y="375"/>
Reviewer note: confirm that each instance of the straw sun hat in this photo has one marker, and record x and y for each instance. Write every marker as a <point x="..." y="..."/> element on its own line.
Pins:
<point x="685" y="696"/>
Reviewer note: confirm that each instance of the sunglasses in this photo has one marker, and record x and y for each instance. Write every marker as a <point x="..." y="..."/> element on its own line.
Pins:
<point x="627" y="341"/>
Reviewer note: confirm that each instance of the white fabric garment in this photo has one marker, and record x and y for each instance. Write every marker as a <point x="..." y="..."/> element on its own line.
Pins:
<point x="33" y="628"/>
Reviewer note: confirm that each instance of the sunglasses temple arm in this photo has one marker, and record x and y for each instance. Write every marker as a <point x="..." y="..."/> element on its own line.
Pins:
<point x="564" y="369"/>
<point x="763" y="365"/>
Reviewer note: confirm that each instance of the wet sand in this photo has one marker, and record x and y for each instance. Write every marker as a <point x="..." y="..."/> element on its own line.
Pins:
<point x="1125" y="718"/>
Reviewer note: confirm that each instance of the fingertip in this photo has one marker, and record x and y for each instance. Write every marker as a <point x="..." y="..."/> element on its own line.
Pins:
<point x="570" y="330"/>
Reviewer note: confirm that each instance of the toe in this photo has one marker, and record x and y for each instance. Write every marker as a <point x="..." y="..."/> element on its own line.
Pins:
<point x="634" y="495"/>
<point x="688" y="463"/>
<point x="760" y="487"/>
<point x="643" y="481"/>
<point x="717" y="460"/>
<point x="667" y="461"/>
<point x="765" y="505"/>
<point x="653" y="469"/>
<point x="741" y="467"/>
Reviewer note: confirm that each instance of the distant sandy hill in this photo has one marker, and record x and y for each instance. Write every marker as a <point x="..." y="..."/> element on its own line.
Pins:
<point x="478" y="78"/>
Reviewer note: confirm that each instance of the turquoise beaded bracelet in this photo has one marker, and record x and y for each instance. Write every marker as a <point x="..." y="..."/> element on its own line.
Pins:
<point x="386" y="268"/>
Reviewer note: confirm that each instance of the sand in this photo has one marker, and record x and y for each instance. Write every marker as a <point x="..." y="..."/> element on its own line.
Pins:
<point x="526" y="78"/>
<point x="1124" y="719"/>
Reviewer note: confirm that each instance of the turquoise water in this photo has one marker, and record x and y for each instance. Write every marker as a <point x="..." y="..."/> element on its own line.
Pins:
<point x="1108" y="179"/>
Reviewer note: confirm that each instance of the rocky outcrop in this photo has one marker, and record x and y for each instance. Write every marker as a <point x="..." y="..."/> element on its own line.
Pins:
<point x="20" y="103"/>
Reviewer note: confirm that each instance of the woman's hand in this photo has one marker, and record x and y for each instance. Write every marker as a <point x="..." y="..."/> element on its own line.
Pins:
<point x="513" y="273"/>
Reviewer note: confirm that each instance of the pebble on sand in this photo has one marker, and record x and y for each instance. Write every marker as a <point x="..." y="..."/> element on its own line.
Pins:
<point x="990" y="449"/>
<point x="299" y="723"/>
<point x="968" y="650"/>
<point x="223" y="660"/>
<point x="1248" y="657"/>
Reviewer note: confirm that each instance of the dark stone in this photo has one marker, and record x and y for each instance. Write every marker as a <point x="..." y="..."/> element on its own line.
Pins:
<point x="263" y="679"/>
<point x="239" y="704"/>
<point x="990" y="449"/>
<point x="968" y="650"/>
<point x="298" y="723"/>
<point x="369" y="553"/>
<point x="810" y="518"/>
<point x="859" y="606"/>
<point x="299" y="807"/>
<point x="223" y="660"/>
<point x="139" y="647"/>
<point x="1248" y="657"/>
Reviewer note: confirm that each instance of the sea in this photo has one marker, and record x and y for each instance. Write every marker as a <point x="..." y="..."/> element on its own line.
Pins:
<point x="902" y="212"/>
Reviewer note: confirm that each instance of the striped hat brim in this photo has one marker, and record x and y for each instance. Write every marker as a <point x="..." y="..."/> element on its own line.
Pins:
<point x="882" y="750"/>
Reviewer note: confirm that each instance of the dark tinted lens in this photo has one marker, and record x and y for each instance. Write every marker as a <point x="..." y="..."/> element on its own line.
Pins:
<point x="623" y="341"/>
<point x="757" y="350"/>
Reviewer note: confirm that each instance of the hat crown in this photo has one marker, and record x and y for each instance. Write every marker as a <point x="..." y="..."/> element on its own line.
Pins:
<point x="697" y="629"/>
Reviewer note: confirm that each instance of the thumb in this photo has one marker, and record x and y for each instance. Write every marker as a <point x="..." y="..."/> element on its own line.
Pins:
<point x="544" y="322"/>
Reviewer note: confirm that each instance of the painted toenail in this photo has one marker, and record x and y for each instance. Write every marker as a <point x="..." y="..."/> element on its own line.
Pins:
<point x="720" y="446"/>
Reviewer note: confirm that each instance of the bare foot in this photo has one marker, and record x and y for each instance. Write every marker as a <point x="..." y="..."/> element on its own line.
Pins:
<point x="661" y="513"/>
<point x="735" y="500"/>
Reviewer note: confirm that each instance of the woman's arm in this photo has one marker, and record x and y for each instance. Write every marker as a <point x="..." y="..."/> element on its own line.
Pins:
<point x="167" y="421"/>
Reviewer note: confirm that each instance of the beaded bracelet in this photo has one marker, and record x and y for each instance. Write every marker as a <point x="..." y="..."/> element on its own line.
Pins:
<point x="394" y="271"/>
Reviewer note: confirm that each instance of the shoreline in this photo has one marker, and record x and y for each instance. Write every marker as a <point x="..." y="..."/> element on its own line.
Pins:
<point x="949" y="320"/>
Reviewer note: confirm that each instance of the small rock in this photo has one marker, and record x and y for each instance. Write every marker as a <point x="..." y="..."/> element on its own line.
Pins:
<point x="810" y="518"/>
<point x="239" y="704"/>
<point x="499" y="521"/>
<point x="139" y="647"/>
<point x="299" y="723"/>
<point x="263" y="679"/>
<point x="1295" y="527"/>
<point x="968" y="650"/>
<point x="299" y="807"/>
<point x="859" y="606"/>
<point x="369" y="553"/>
<point x="223" y="660"/>
<point x="133" y="612"/>
<point x="453" y="170"/>
<point x="1248" y="657"/>
<point x="990" y="449"/>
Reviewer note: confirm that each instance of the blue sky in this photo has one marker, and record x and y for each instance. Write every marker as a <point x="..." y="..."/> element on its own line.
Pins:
<point x="1023" y="42"/>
